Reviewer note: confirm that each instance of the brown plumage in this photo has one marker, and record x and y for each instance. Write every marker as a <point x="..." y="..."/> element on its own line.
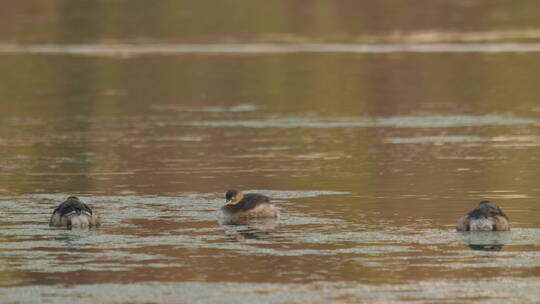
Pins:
<point x="485" y="217"/>
<point x="250" y="205"/>
<point x="74" y="213"/>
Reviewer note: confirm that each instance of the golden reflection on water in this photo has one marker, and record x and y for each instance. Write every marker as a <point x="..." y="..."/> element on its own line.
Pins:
<point x="371" y="157"/>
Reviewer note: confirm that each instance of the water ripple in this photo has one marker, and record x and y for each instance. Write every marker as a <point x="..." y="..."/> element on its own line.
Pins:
<point x="123" y="50"/>
<point x="428" y="121"/>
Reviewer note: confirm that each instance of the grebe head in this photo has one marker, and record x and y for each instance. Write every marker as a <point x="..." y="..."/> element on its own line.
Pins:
<point x="73" y="198"/>
<point x="233" y="196"/>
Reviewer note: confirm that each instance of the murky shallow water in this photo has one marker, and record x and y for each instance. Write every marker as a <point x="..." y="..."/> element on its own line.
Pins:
<point x="372" y="135"/>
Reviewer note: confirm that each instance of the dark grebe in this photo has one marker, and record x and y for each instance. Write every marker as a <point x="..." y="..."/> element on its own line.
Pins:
<point x="249" y="205"/>
<point x="485" y="217"/>
<point x="73" y="213"/>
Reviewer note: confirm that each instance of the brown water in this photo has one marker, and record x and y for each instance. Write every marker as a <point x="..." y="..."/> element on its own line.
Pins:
<point x="374" y="131"/>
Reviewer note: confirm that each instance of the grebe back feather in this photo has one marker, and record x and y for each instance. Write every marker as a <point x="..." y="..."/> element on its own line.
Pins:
<point x="486" y="216"/>
<point x="252" y="205"/>
<point x="74" y="213"/>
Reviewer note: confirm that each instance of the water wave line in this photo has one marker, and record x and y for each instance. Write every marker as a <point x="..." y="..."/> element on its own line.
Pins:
<point x="264" y="48"/>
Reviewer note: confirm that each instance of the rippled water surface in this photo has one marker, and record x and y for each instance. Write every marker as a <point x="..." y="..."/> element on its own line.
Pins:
<point x="372" y="128"/>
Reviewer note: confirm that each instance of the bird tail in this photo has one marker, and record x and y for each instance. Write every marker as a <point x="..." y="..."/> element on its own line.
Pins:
<point x="78" y="218"/>
<point x="82" y="219"/>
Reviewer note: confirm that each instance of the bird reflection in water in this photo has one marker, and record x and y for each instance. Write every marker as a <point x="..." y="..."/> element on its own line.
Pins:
<point x="74" y="240"/>
<point x="494" y="247"/>
<point x="485" y="240"/>
<point x="240" y="230"/>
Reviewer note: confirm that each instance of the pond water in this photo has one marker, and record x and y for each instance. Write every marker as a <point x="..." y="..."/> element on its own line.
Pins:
<point x="373" y="128"/>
